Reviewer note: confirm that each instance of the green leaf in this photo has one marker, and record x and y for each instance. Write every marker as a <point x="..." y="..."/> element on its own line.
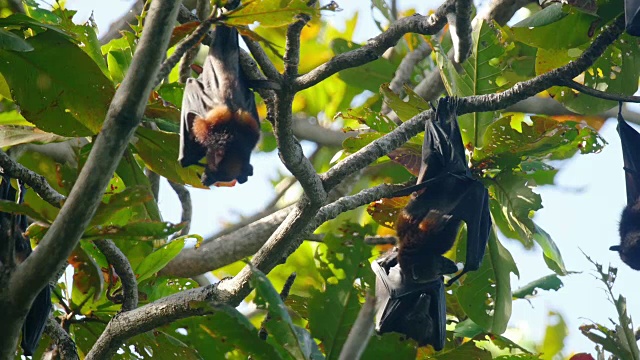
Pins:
<point x="297" y="342"/>
<point x="57" y="86"/>
<point x="547" y="28"/>
<point x="342" y="259"/>
<point x="15" y="135"/>
<point x="87" y="279"/>
<point x="269" y="13"/>
<point x="143" y="230"/>
<point x="23" y="21"/>
<point x="404" y="109"/>
<point x="548" y="282"/>
<point x="13" y="42"/>
<point x="468" y="350"/>
<point x="119" y="53"/>
<point x="225" y="331"/>
<point x="158" y="259"/>
<point x="480" y="74"/>
<point x="368" y="76"/>
<point x="130" y="171"/>
<point x="123" y="200"/>
<point x="512" y="210"/>
<point x="491" y="282"/>
<point x="610" y="73"/>
<point x="159" y="150"/>
<point x="157" y="345"/>
<point x="554" y="336"/>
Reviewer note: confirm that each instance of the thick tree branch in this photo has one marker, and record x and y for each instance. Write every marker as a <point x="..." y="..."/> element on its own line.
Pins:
<point x="462" y="40"/>
<point x="122" y="119"/>
<point x="121" y="264"/>
<point x="64" y="343"/>
<point x="426" y="25"/>
<point x="36" y="181"/>
<point x="161" y="312"/>
<point x="263" y="60"/>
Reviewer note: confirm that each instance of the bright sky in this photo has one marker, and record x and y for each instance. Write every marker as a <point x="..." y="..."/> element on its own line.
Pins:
<point x="581" y="211"/>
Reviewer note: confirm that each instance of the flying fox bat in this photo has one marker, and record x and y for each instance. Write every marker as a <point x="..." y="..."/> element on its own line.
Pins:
<point x="632" y="16"/>
<point x="219" y="120"/>
<point x="445" y="194"/>
<point x="403" y="305"/>
<point x="629" y="247"/>
<point x="14" y="227"/>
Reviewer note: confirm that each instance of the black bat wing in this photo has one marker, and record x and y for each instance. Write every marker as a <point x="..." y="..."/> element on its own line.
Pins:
<point x="632" y="16"/>
<point x="417" y="310"/>
<point x="194" y="104"/>
<point x="630" y="140"/>
<point x="35" y="322"/>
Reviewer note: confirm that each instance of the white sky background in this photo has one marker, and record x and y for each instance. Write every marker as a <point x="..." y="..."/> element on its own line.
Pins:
<point x="581" y="211"/>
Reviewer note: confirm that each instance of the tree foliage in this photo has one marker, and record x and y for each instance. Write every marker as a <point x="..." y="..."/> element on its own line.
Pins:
<point x="57" y="83"/>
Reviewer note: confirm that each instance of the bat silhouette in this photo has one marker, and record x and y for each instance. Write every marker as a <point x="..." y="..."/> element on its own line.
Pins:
<point x="629" y="248"/>
<point x="632" y="16"/>
<point x="219" y="120"/>
<point x="14" y="226"/>
<point x="403" y="305"/>
<point x="444" y="196"/>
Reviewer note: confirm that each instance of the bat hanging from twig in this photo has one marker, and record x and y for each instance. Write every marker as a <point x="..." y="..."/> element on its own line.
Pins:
<point x="13" y="226"/>
<point x="629" y="248"/>
<point x="219" y="120"/>
<point x="445" y="195"/>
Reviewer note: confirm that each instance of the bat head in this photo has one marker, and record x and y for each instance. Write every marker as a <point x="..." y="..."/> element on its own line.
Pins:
<point x="629" y="248"/>
<point x="229" y="138"/>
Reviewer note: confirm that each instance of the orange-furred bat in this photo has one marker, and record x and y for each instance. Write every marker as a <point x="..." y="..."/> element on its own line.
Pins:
<point x="219" y="120"/>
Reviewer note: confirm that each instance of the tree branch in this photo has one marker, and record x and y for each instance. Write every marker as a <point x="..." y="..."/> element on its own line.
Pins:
<point x="123" y="117"/>
<point x="360" y="332"/>
<point x="64" y="343"/>
<point x="187" y="209"/>
<point x="121" y="264"/>
<point x="36" y="181"/>
<point x="425" y="25"/>
<point x="599" y="94"/>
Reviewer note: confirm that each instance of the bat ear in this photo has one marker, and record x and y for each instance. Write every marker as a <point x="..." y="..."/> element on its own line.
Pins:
<point x="615" y="248"/>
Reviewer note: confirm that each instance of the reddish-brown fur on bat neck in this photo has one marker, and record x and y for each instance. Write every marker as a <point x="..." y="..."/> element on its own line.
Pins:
<point x="218" y="117"/>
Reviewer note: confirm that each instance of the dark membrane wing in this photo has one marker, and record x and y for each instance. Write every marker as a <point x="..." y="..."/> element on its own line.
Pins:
<point x="417" y="310"/>
<point x="35" y="322"/>
<point x="194" y="104"/>
<point x="632" y="16"/>
<point x="473" y="209"/>
<point x="631" y="153"/>
<point x="442" y="148"/>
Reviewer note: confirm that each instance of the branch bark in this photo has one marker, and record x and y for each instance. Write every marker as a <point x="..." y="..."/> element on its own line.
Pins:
<point x="121" y="264"/>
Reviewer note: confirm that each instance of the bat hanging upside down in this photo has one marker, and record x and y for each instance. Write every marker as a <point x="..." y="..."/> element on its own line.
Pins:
<point x="629" y="247"/>
<point x="13" y="227"/>
<point x="411" y="298"/>
<point x="219" y="120"/>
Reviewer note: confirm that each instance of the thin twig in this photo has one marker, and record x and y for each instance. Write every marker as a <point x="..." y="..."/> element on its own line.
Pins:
<point x="597" y="93"/>
<point x="187" y="209"/>
<point x="36" y="181"/>
<point x="121" y="264"/>
<point x="262" y="333"/>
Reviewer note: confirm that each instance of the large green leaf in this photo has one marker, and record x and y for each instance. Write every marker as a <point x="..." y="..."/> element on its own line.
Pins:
<point x="549" y="28"/>
<point x="549" y="282"/>
<point x="480" y="74"/>
<point x="15" y="135"/>
<point x="297" y="342"/>
<point x="270" y="13"/>
<point x="614" y="72"/>
<point x="368" y="76"/>
<point x="13" y="42"/>
<point x="58" y="87"/>
<point x="491" y="283"/>
<point x="514" y="203"/>
<point x="158" y="345"/>
<point x="119" y="53"/>
<point x="219" y="335"/>
<point x="158" y="259"/>
<point x="130" y="171"/>
<point x="159" y="150"/>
